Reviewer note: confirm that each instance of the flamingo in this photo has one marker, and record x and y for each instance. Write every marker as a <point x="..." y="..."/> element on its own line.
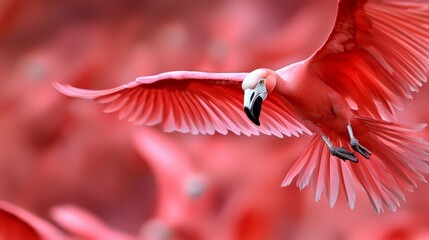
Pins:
<point x="345" y="95"/>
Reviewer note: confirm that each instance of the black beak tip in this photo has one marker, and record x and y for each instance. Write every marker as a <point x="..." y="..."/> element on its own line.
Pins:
<point x="251" y="116"/>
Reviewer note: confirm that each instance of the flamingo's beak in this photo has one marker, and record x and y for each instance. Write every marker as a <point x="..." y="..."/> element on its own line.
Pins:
<point x="253" y="103"/>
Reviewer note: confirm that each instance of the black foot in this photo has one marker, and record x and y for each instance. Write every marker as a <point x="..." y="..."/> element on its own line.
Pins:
<point x="360" y="149"/>
<point x="343" y="153"/>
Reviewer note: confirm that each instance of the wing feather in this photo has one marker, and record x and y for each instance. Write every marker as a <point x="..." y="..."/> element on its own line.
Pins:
<point x="168" y="125"/>
<point x="349" y="187"/>
<point x="215" y="119"/>
<point x="139" y="107"/>
<point x="377" y="54"/>
<point x="117" y="104"/>
<point x="206" y="117"/>
<point x="188" y="120"/>
<point x="129" y="108"/>
<point x="223" y="117"/>
<point x="196" y="114"/>
<point x="322" y="178"/>
<point x="334" y="180"/>
<point x="155" y="116"/>
<point x="194" y="102"/>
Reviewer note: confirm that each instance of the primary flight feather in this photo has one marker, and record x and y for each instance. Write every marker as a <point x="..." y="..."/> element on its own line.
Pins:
<point x="345" y="95"/>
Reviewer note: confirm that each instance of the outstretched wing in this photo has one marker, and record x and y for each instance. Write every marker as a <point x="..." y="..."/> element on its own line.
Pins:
<point x="377" y="54"/>
<point x="194" y="102"/>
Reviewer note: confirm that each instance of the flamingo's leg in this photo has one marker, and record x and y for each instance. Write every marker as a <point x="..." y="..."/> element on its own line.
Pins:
<point x="354" y="143"/>
<point x="340" y="152"/>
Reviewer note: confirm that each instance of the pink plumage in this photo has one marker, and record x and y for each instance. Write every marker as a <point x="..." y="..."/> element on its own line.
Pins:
<point x="194" y="102"/>
<point x="346" y="94"/>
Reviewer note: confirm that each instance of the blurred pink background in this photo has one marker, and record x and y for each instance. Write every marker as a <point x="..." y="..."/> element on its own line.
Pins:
<point x="68" y="171"/>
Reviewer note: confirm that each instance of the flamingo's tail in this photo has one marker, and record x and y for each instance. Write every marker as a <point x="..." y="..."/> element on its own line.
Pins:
<point x="399" y="160"/>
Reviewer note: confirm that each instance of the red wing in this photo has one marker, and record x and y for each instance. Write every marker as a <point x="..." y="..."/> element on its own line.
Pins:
<point x="377" y="53"/>
<point x="194" y="102"/>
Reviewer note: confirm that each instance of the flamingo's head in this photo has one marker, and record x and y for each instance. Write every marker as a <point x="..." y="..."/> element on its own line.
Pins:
<point x="257" y="85"/>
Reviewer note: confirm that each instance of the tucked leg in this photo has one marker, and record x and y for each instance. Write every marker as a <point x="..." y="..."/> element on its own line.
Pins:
<point x="354" y="143"/>
<point x="340" y="152"/>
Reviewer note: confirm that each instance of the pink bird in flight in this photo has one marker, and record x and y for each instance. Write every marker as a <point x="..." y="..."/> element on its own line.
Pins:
<point x="345" y="95"/>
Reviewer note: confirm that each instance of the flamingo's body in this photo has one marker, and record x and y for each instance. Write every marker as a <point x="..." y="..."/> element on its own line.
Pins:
<point x="346" y="94"/>
<point x="327" y="110"/>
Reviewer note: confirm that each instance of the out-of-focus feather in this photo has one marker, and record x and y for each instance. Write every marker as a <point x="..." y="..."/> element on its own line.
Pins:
<point x="17" y="223"/>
